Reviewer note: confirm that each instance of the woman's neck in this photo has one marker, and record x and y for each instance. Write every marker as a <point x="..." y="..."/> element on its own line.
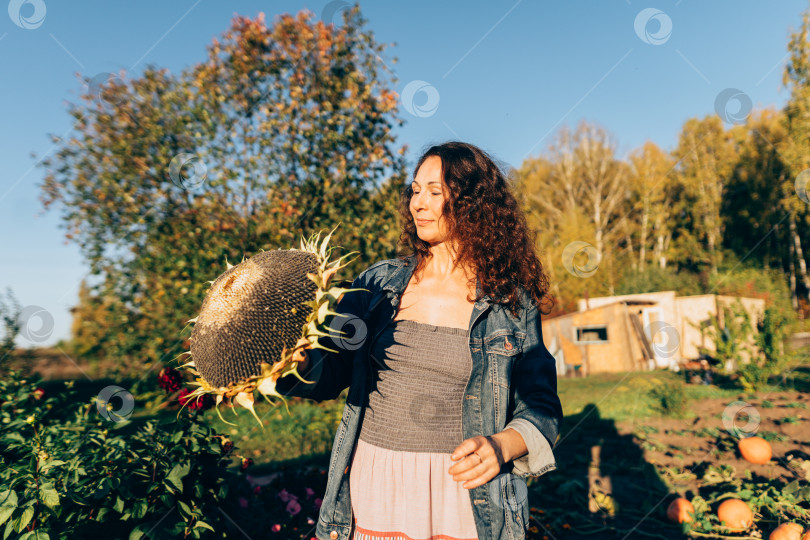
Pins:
<point x="442" y="265"/>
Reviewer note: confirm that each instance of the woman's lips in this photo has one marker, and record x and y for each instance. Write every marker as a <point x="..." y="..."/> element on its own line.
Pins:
<point x="423" y="221"/>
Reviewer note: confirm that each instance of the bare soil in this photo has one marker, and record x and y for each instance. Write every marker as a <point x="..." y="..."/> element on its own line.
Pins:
<point x="642" y="465"/>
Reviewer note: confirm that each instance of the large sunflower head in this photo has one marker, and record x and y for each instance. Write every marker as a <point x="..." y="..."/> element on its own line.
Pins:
<point x="257" y="318"/>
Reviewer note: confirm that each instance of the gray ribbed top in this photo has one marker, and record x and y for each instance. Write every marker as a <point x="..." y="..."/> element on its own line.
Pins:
<point x="420" y="372"/>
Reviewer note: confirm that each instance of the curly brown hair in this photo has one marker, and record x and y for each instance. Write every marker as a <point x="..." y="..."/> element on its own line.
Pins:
<point x="484" y="218"/>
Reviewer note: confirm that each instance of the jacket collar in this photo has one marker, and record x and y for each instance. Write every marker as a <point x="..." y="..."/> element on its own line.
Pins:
<point x="400" y="277"/>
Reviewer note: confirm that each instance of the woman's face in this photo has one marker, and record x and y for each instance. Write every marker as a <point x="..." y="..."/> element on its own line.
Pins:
<point x="427" y="200"/>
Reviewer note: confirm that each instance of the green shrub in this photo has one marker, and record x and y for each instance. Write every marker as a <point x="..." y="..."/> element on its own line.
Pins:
<point x="654" y="278"/>
<point x="773" y="331"/>
<point x="67" y="472"/>
<point x="730" y="339"/>
<point x="669" y="398"/>
<point x="734" y="279"/>
<point x="770" y="357"/>
<point x="766" y="356"/>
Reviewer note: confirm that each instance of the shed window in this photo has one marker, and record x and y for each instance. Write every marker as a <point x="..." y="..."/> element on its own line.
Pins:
<point x="592" y="334"/>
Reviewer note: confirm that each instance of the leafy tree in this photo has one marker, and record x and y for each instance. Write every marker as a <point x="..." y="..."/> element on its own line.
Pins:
<point x="10" y="316"/>
<point x="706" y="154"/>
<point x="650" y="182"/>
<point x="654" y="278"/>
<point x="752" y="203"/>
<point x="794" y="148"/>
<point x="94" y="327"/>
<point x="283" y="130"/>
<point x="576" y="193"/>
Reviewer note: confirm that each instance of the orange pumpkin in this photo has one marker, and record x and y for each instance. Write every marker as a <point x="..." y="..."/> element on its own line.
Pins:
<point x="735" y="514"/>
<point x="806" y="536"/>
<point x="679" y="509"/>
<point x="787" y="531"/>
<point x="755" y="450"/>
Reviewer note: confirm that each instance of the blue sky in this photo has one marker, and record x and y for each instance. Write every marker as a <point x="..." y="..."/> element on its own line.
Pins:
<point x="507" y="75"/>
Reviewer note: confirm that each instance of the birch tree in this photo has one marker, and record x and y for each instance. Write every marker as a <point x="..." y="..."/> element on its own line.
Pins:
<point x="796" y="149"/>
<point x="706" y="155"/>
<point x="576" y="193"/>
<point x="649" y="179"/>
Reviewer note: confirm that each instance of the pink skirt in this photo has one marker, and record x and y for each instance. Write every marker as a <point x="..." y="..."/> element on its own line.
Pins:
<point x="407" y="496"/>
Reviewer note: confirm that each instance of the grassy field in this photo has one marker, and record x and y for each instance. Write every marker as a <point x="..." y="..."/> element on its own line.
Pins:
<point x="621" y="456"/>
<point x="311" y="426"/>
<point x="630" y="443"/>
<point x="623" y="396"/>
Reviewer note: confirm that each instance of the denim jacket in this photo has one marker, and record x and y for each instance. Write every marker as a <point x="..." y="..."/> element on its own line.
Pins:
<point x="513" y="383"/>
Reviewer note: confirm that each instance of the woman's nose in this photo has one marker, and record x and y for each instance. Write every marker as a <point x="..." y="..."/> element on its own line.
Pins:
<point x="418" y="201"/>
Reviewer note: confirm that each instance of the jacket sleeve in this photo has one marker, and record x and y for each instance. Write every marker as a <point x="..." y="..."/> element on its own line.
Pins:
<point x="537" y="412"/>
<point x="331" y="372"/>
<point x="540" y="458"/>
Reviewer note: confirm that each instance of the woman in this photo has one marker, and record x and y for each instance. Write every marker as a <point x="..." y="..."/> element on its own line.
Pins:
<point x="452" y="394"/>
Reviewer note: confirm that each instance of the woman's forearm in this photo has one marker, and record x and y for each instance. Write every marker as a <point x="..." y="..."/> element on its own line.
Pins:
<point x="512" y="444"/>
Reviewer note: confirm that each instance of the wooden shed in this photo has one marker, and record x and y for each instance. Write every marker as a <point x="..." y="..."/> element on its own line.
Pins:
<point x="636" y="331"/>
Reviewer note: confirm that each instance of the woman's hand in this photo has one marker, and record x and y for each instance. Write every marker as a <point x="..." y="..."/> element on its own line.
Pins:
<point x="494" y="451"/>
<point x="300" y="354"/>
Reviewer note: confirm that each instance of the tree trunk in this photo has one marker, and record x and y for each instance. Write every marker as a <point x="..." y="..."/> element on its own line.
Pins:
<point x="597" y="220"/>
<point x="662" y="261"/>
<point x="658" y="248"/>
<point x="553" y="281"/>
<point x="711" y="245"/>
<point x="662" y="243"/>
<point x="629" y="240"/>
<point x="794" y="298"/>
<point x="642" y="250"/>
<point x="797" y="243"/>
